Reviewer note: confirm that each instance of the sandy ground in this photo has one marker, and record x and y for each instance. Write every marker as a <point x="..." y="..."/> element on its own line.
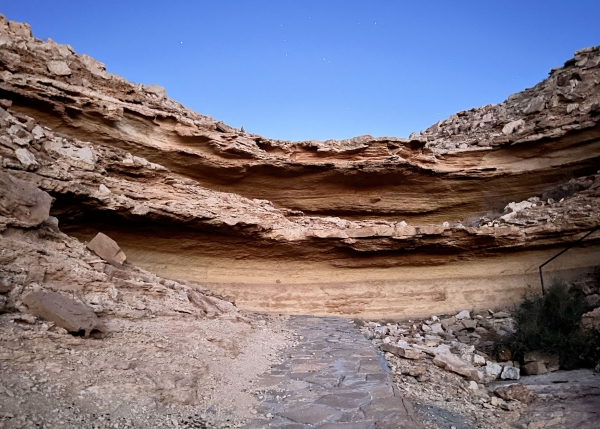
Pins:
<point x="154" y="372"/>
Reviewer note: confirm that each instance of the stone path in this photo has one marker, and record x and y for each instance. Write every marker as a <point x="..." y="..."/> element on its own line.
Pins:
<point x="332" y="379"/>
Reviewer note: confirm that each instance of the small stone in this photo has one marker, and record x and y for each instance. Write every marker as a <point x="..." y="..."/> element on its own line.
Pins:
<point x="25" y="318"/>
<point x="536" y="105"/>
<point x="448" y="322"/>
<point x="406" y="352"/>
<point x="491" y="371"/>
<point x="26" y="158"/>
<point x="512" y="126"/>
<point x="465" y="314"/>
<point x="38" y="132"/>
<point x="436" y="328"/>
<point x="469" y="324"/>
<point x="103" y="189"/>
<point x="478" y="360"/>
<point x="59" y="68"/>
<point x="510" y="373"/>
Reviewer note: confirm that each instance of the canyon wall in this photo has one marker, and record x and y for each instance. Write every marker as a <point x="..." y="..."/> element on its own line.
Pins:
<point x="458" y="216"/>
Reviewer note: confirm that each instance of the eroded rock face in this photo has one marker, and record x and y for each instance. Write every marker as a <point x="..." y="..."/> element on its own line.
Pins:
<point x="525" y="137"/>
<point x="21" y="203"/>
<point x="390" y="226"/>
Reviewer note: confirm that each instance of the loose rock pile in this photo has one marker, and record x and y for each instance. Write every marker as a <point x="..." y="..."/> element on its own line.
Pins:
<point x="564" y="101"/>
<point x="451" y="369"/>
<point x="451" y="343"/>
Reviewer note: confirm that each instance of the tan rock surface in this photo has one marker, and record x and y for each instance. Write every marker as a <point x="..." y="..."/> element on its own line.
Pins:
<point x="107" y="248"/>
<point x="22" y="204"/>
<point x="171" y="186"/>
<point x="63" y="311"/>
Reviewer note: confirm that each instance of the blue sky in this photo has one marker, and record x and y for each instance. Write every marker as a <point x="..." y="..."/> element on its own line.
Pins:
<point x="296" y="70"/>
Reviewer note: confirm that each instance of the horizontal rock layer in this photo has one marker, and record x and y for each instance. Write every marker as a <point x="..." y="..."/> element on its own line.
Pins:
<point x="369" y="226"/>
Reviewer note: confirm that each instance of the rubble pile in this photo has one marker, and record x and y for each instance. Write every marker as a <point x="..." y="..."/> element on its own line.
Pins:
<point x="454" y="364"/>
<point x="565" y="101"/>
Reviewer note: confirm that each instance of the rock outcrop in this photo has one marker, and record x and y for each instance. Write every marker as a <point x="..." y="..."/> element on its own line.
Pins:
<point x="371" y="226"/>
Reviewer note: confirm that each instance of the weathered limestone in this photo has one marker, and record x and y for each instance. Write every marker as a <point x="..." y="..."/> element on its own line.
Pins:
<point x="59" y="68"/>
<point x="409" y="218"/>
<point x="402" y="351"/>
<point x="65" y="312"/>
<point x="22" y="202"/>
<point x="107" y="248"/>
<point x="445" y="359"/>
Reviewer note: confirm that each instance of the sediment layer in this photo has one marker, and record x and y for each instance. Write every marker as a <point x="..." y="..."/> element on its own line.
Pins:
<point x="368" y="226"/>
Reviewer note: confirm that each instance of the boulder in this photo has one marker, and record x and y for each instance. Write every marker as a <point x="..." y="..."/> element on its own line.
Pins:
<point x="491" y="371"/>
<point x="451" y="362"/>
<point x="23" y="201"/>
<point x="59" y="68"/>
<point x="512" y="126"/>
<point x="510" y="373"/>
<point x="406" y="352"/>
<point x="155" y="89"/>
<point x="108" y="249"/>
<point x="515" y="392"/>
<point x="535" y="368"/>
<point x="448" y="322"/>
<point x="469" y="324"/>
<point x="551" y="362"/>
<point x="436" y="328"/>
<point x="63" y="311"/>
<point x="26" y="158"/>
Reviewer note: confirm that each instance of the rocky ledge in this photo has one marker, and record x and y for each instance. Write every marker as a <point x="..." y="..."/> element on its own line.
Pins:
<point x="335" y="227"/>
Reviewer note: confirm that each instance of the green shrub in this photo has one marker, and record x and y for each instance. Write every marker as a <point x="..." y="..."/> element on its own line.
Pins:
<point x="551" y="323"/>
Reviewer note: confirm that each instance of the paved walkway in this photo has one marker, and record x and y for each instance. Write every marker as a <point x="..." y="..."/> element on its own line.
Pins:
<point x="333" y="379"/>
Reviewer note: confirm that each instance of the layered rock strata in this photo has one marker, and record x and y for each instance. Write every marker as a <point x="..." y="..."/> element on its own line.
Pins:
<point x="191" y="198"/>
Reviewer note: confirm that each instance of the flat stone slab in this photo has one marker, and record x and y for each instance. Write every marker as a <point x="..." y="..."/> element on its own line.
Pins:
<point x="333" y="378"/>
<point x="62" y="310"/>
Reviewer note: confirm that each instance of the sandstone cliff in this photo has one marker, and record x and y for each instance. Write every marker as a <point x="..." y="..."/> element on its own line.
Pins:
<point x="372" y="226"/>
